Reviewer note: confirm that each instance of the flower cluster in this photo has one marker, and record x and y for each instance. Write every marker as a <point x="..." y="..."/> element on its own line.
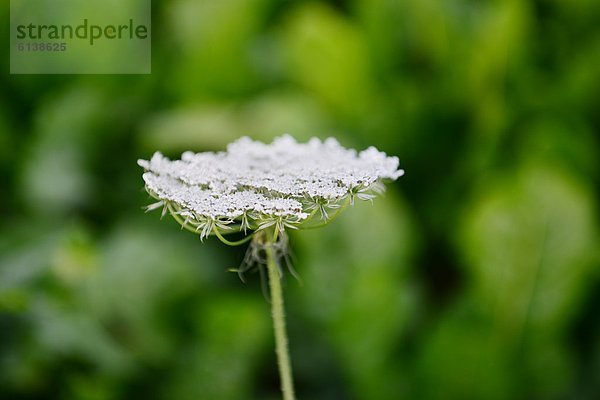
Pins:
<point x="254" y="185"/>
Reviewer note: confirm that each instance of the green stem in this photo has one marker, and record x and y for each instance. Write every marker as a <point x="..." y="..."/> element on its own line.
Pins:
<point x="180" y="221"/>
<point x="278" y="314"/>
<point x="229" y="242"/>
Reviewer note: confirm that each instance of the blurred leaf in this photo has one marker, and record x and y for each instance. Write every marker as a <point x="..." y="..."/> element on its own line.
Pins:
<point x="55" y="176"/>
<point x="356" y="292"/>
<point x="75" y="260"/>
<point x="497" y="34"/>
<point x="461" y="359"/>
<point x="581" y="79"/>
<point x="550" y="140"/>
<point x="233" y="331"/>
<point x="326" y="54"/>
<point x="212" y="40"/>
<point x="60" y="333"/>
<point x="206" y="126"/>
<point x="200" y="127"/>
<point x="85" y="387"/>
<point x="13" y="300"/>
<point x="530" y="243"/>
<point x="25" y="255"/>
<point x="143" y="272"/>
<point x="277" y="112"/>
<point x="6" y="142"/>
<point x="379" y="19"/>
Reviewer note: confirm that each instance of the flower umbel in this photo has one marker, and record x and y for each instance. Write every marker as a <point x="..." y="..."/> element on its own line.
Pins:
<point x="266" y="189"/>
<point x="253" y="186"/>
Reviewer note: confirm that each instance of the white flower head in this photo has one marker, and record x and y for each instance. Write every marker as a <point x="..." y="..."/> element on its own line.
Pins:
<point x="254" y="185"/>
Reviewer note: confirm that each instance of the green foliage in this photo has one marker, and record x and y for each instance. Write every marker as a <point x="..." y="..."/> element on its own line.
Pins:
<point x="475" y="277"/>
<point x="361" y="327"/>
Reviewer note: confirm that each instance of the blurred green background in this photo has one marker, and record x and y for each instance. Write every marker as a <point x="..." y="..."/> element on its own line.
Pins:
<point x="475" y="277"/>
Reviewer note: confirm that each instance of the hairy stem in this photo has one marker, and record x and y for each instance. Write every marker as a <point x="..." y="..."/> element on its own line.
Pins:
<point x="278" y="314"/>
